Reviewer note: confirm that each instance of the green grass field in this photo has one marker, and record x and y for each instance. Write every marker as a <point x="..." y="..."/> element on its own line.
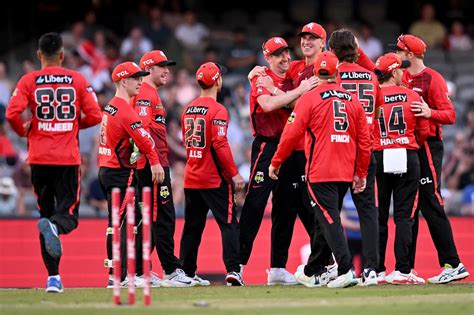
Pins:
<point x="450" y="299"/>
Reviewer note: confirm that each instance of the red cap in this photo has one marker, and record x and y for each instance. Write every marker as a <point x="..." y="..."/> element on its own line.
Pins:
<point x="389" y="62"/>
<point x="127" y="70"/>
<point x="155" y="57"/>
<point x="274" y="46"/>
<point x="410" y="43"/>
<point x="208" y="73"/>
<point x="325" y="64"/>
<point x="313" y="29"/>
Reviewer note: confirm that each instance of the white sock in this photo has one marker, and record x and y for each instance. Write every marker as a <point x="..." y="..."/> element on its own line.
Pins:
<point x="57" y="277"/>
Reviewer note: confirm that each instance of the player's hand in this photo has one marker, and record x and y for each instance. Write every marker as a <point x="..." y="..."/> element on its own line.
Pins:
<point x="421" y="109"/>
<point x="266" y="82"/>
<point x="308" y="84"/>
<point x="273" y="172"/>
<point x="358" y="185"/>
<point x="239" y="182"/>
<point x="257" y="70"/>
<point x="157" y="173"/>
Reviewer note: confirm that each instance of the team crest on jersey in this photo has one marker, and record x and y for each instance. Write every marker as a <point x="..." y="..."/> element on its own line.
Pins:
<point x="164" y="192"/>
<point x="292" y="117"/>
<point x="221" y="131"/>
<point x="259" y="177"/>
<point x="142" y="111"/>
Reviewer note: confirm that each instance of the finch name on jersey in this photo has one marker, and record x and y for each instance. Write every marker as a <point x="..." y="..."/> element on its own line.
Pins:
<point x="55" y="127"/>
<point x="354" y="75"/>
<point x="397" y="98"/>
<point x="54" y="79"/>
<point x="340" y="138"/>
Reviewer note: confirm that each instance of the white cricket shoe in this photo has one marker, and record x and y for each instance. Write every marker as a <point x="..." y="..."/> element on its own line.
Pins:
<point x="177" y="279"/>
<point x="329" y="274"/>
<point x="381" y="278"/>
<point x="234" y="279"/>
<point x="344" y="281"/>
<point x="280" y="276"/>
<point x="397" y="277"/>
<point x="309" y="282"/>
<point x="449" y="274"/>
<point x="369" y="277"/>
<point x="200" y="281"/>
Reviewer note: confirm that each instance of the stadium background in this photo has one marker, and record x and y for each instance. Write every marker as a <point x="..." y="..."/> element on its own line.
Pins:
<point x="99" y="34"/>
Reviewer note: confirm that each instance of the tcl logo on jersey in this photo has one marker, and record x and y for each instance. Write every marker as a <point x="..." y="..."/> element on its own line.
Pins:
<point x="354" y="75"/>
<point x="425" y="180"/>
<point x="51" y="79"/>
<point x="136" y="125"/>
<point x="396" y="98"/>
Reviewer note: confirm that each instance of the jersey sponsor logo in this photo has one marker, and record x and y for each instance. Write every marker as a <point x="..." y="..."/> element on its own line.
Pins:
<point x="112" y="110"/>
<point x="221" y="131"/>
<point x="164" y="192"/>
<point x="426" y="180"/>
<point x="160" y="119"/>
<point x="259" y="177"/>
<point x="219" y="122"/>
<point x="396" y="98"/>
<point x="136" y="125"/>
<point x="55" y="127"/>
<point x="201" y="110"/>
<point x="54" y="79"/>
<point x="334" y="93"/>
<point x="355" y="75"/>
<point x="143" y="103"/>
<point x="292" y="118"/>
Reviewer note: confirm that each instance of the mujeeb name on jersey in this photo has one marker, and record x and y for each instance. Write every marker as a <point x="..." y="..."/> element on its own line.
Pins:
<point x="55" y="127"/>
<point x="52" y="79"/>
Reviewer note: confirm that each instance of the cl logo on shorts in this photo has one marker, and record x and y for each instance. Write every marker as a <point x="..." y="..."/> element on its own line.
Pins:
<point x="259" y="178"/>
<point x="164" y="192"/>
<point x="425" y="180"/>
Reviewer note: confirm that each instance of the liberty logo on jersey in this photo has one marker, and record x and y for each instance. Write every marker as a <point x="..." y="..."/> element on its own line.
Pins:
<point x="259" y="177"/>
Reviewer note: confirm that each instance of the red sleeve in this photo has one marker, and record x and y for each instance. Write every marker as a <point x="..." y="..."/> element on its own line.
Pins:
<point x="133" y="125"/>
<point x="17" y="104"/>
<point x="364" y="61"/>
<point x="378" y="94"/>
<point x="442" y="111"/>
<point x="363" y="142"/>
<point x="92" y="113"/>
<point x="294" y="130"/>
<point x="219" y="123"/>
<point x="258" y="91"/>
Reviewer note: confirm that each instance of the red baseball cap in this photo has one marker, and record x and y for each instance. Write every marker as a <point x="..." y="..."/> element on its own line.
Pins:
<point x="274" y="46"/>
<point x="127" y="70"/>
<point x="389" y="62"/>
<point x="410" y="43"/>
<point x="208" y="73"/>
<point x="314" y="29"/>
<point x="155" y="57"/>
<point x="325" y="64"/>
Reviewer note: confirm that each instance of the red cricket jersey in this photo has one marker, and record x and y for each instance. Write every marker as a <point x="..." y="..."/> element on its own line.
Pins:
<point x="267" y="124"/>
<point x="430" y="85"/>
<point x="209" y="159"/>
<point x="120" y="123"/>
<point x="337" y="136"/>
<point x="397" y="124"/>
<point x="61" y="102"/>
<point x="150" y="109"/>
